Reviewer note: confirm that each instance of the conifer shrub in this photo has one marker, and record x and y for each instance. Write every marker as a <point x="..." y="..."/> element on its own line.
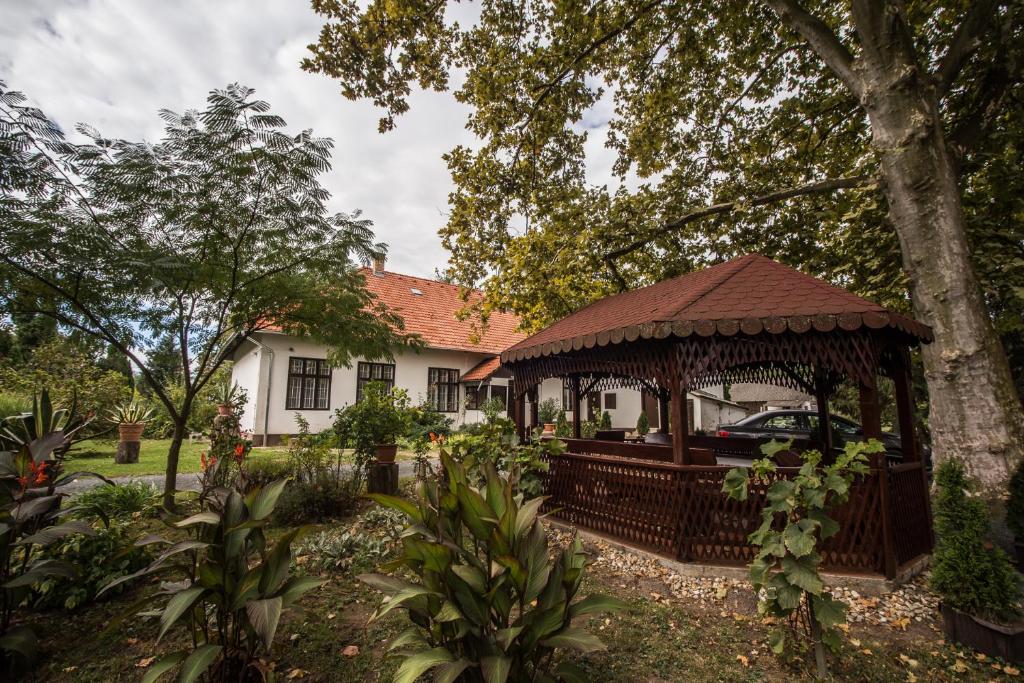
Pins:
<point x="968" y="571"/>
<point x="562" y="427"/>
<point x="606" y="420"/>
<point x="1015" y="503"/>
<point x="643" y="425"/>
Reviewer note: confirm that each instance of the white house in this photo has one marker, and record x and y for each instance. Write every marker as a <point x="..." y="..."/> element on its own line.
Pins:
<point x="287" y="376"/>
<point x="456" y="372"/>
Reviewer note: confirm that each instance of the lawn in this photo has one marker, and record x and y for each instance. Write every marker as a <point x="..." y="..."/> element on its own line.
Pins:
<point x="96" y="455"/>
<point x="659" y="638"/>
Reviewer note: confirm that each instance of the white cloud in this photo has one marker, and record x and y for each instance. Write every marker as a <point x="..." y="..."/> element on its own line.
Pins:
<point x="113" y="64"/>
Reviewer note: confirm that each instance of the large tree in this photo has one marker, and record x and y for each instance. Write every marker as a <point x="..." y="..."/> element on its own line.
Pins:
<point x="218" y="230"/>
<point x="835" y="135"/>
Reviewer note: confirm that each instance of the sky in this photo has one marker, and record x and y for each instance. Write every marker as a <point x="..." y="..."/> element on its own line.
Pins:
<point x="114" y="63"/>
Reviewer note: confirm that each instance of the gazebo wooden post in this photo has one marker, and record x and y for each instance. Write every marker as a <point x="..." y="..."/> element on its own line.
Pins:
<point x="518" y="412"/>
<point x="663" y="425"/>
<point x="871" y="425"/>
<point x="577" y="398"/>
<point x="535" y="408"/>
<point x="680" y="438"/>
<point x="905" y="408"/>
<point x="824" y="417"/>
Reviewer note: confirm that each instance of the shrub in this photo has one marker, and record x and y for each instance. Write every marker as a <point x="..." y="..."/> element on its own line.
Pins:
<point x="383" y="520"/>
<point x="588" y="429"/>
<point x="121" y="500"/>
<point x="333" y="551"/>
<point x="260" y="471"/>
<point x="643" y="425"/>
<point x="227" y="586"/>
<point x="970" y="573"/>
<point x="424" y="421"/>
<point x="562" y="427"/>
<point x="309" y="455"/>
<point x="794" y="521"/>
<point x="548" y="411"/>
<point x="327" y="497"/>
<point x="487" y="601"/>
<point x="99" y="558"/>
<point x="1015" y="503"/>
<point x="606" y="420"/>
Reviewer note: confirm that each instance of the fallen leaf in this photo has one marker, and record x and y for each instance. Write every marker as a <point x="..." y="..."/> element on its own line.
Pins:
<point x="331" y="615"/>
<point x="1011" y="670"/>
<point x="296" y="673"/>
<point x="911" y="678"/>
<point x="350" y="650"/>
<point x="981" y="656"/>
<point x="867" y="651"/>
<point x="743" y="660"/>
<point x="901" y="624"/>
<point x="721" y="593"/>
<point x="132" y="641"/>
<point x="144" y="662"/>
<point x="69" y="669"/>
<point x="960" y="666"/>
<point x="854" y="642"/>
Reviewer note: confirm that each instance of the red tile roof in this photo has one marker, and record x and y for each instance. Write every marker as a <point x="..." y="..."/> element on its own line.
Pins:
<point x="748" y="294"/>
<point x="482" y="370"/>
<point x="432" y="314"/>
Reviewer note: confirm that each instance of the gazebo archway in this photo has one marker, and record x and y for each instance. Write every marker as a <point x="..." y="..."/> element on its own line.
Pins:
<point x="750" y="319"/>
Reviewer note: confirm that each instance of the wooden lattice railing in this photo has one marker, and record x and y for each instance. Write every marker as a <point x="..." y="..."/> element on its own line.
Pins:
<point x="680" y="511"/>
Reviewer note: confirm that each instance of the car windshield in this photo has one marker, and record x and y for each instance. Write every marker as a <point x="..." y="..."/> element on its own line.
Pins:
<point x="781" y="422"/>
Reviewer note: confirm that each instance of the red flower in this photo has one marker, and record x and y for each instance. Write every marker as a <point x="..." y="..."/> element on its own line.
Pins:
<point x="40" y="472"/>
<point x="433" y="437"/>
<point x="239" y="452"/>
<point x="23" y="482"/>
<point x="202" y="462"/>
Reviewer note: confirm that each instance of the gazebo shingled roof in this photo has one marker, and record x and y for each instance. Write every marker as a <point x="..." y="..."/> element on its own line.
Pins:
<point x="746" y="295"/>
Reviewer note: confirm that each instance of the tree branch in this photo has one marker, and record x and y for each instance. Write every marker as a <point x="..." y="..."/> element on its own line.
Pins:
<point x="819" y="187"/>
<point x="965" y="42"/>
<point x="821" y="39"/>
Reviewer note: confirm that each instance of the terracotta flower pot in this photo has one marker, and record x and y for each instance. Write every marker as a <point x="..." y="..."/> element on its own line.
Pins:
<point x="549" y="428"/>
<point x="387" y="452"/>
<point x="130" y="431"/>
<point x="224" y="409"/>
<point x="996" y="640"/>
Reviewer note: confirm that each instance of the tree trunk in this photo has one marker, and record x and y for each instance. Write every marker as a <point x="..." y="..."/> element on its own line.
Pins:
<point x="171" y="476"/>
<point x="975" y="413"/>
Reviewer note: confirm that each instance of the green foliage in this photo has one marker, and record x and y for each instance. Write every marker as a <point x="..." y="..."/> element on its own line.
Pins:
<point x="69" y="373"/>
<point x="379" y="418"/>
<point x="99" y="559"/>
<point x="122" y="501"/>
<point x="588" y="429"/>
<point x="643" y="425"/>
<point x="341" y="550"/>
<point x="794" y="521"/>
<point x="548" y="411"/>
<point x="324" y="498"/>
<point x="228" y="393"/>
<point x="486" y="601"/>
<point x="262" y="471"/>
<point x="32" y="449"/>
<point x="226" y="586"/>
<point x="493" y="410"/>
<point x="130" y="412"/>
<point x="968" y="571"/>
<point x="563" y="429"/>
<point x="606" y="420"/>
<point x="215" y="230"/>
<point x="424" y="421"/>
<point x="13" y="404"/>
<point x="1015" y="503"/>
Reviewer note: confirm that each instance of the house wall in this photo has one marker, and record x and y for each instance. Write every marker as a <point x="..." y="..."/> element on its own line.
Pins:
<point x="714" y="414"/>
<point x="252" y="370"/>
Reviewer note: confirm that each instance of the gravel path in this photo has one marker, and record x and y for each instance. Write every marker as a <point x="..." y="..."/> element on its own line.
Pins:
<point x="186" y="481"/>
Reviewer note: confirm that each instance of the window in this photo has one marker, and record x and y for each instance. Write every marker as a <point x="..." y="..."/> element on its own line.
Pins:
<point x="443" y="389"/>
<point x="374" y="372"/>
<point x="609" y="401"/>
<point x="501" y="393"/>
<point x="841" y="425"/>
<point x="309" y="384"/>
<point x="567" y="397"/>
<point x="785" y="421"/>
<point x="475" y="397"/>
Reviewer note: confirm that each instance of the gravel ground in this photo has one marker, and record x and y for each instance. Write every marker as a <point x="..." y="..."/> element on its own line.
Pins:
<point x="186" y="482"/>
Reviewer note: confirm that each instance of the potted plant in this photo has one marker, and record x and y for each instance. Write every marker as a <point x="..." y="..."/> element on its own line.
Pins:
<point x="978" y="585"/>
<point x="228" y="396"/>
<point x="1015" y="513"/>
<point x="378" y="419"/>
<point x="547" y="412"/>
<point x="130" y="418"/>
<point x="643" y="425"/>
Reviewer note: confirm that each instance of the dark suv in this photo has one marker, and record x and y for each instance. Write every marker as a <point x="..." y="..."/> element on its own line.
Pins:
<point x="801" y="424"/>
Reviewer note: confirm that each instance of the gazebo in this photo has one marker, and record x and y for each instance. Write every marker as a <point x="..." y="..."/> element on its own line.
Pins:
<point x="747" y="320"/>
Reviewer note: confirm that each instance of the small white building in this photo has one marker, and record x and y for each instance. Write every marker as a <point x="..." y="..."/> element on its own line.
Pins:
<point x="457" y="370"/>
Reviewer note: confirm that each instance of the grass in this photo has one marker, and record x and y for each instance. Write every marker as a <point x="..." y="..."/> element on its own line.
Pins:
<point x="97" y="455"/>
<point x="656" y="640"/>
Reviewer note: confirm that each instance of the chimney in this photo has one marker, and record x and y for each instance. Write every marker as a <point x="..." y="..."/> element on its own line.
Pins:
<point x="378" y="266"/>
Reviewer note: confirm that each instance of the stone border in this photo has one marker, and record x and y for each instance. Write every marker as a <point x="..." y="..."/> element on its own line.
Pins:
<point x="866" y="585"/>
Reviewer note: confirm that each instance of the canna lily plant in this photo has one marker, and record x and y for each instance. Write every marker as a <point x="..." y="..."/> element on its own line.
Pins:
<point x="486" y="601"/>
<point x="32" y="449"/>
<point x="225" y="585"/>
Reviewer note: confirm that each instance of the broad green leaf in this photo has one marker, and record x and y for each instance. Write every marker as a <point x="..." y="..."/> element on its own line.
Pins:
<point x="198" y="662"/>
<point x="411" y="636"/>
<point x="829" y="611"/>
<point x="449" y="612"/>
<point x="506" y="636"/>
<point x="162" y="666"/>
<point x="476" y="513"/>
<point x="829" y="527"/>
<point x="575" y="638"/>
<point x="416" y="665"/>
<point x="297" y="586"/>
<point x="199" y="518"/>
<point x="777" y="640"/>
<point x="735" y="483"/>
<point x="803" y="573"/>
<point x="495" y="669"/>
<point x="264" y="501"/>
<point x="396" y="503"/>
<point x="472" y="576"/>
<point x="22" y="640"/>
<point x="571" y="673"/>
<point x="400" y="598"/>
<point x="798" y="542"/>
<point x="595" y="604"/>
<point x="527" y="514"/>
<point x="54" y="533"/>
<point x="264" y="616"/>
<point x="450" y="671"/>
<point x="179" y="604"/>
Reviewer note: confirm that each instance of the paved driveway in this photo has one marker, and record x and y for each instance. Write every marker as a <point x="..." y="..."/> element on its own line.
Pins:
<point x="188" y="481"/>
